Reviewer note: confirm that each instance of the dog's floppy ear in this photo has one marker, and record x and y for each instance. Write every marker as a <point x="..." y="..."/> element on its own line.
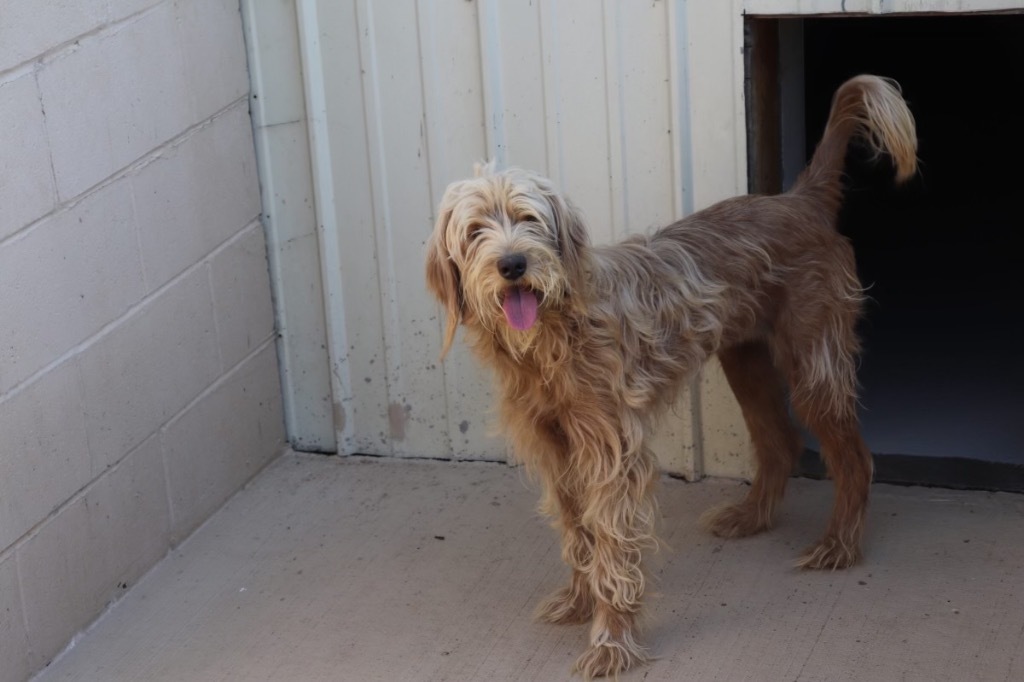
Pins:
<point x="573" y="240"/>
<point x="443" y="277"/>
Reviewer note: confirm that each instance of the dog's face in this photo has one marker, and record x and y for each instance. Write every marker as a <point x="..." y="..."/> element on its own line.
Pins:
<point x="506" y="250"/>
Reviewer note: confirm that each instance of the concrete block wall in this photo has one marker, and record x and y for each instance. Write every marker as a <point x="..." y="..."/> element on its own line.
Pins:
<point x="138" y="373"/>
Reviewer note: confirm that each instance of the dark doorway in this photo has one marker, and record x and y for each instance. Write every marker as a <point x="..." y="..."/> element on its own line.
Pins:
<point x="943" y="368"/>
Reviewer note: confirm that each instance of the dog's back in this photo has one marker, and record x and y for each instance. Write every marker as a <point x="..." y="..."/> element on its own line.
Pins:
<point x="755" y="267"/>
<point x="756" y="246"/>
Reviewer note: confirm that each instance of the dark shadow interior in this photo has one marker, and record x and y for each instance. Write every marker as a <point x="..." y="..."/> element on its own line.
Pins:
<point x="943" y="368"/>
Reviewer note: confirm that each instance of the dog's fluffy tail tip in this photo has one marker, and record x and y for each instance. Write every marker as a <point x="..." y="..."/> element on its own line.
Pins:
<point x="888" y="125"/>
<point x="872" y="108"/>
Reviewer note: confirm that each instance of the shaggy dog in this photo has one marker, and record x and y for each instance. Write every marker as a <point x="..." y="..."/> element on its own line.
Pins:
<point x="589" y="342"/>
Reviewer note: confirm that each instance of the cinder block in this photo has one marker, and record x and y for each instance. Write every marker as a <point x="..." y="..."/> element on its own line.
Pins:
<point x="44" y="455"/>
<point x="26" y="179"/>
<point x="196" y="197"/>
<point x="145" y="371"/>
<point x="119" y="95"/>
<point x="210" y="34"/>
<point x="65" y="279"/>
<point x="30" y="28"/>
<point x="13" y="640"/>
<point x="223" y="439"/>
<point x="241" y="296"/>
<point x="93" y="550"/>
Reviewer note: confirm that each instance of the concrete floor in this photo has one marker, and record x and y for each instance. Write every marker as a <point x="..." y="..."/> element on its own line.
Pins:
<point x="368" y="569"/>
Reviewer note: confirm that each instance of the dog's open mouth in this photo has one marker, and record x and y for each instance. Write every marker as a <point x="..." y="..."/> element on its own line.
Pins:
<point x="520" y="306"/>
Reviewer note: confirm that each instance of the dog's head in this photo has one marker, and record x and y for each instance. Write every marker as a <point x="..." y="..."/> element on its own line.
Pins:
<point x="506" y="250"/>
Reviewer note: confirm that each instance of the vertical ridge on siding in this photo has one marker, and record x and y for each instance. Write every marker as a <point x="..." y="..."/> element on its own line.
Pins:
<point x="378" y="196"/>
<point x="679" y="84"/>
<point x="327" y="228"/>
<point x="489" y="38"/>
<point x="618" y="175"/>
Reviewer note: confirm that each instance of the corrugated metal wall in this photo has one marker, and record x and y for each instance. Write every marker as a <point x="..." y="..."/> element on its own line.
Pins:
<point x="405" y="96"/>
<point x="400" y="98"/>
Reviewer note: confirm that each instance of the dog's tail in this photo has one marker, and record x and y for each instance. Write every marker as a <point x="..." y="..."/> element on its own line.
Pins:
<point x="872" y="108"/>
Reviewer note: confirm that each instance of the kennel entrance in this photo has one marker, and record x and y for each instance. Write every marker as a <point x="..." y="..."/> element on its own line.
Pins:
<point x="944" y="342"/>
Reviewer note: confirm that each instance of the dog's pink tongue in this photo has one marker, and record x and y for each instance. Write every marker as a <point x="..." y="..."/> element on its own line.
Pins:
<point x="520" y="306"/>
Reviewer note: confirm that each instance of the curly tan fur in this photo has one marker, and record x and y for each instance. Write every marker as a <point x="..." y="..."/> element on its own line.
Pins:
<point x="764" y="282"/>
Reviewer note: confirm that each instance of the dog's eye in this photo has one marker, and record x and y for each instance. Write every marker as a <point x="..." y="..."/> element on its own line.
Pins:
<point x="531" y="223"/>
<point x="475" y="230"/>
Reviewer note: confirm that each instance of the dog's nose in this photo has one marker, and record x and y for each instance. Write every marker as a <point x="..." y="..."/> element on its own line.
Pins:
<point x="512" y="267"/>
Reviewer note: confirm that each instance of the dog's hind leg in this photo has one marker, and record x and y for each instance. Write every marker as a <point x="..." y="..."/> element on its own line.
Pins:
<point x="824" y="398"/>
<point x="850" y="467"/>
<point x="761" y="394"/>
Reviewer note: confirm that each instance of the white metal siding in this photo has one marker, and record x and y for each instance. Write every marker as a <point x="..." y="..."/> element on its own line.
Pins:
<point x="403" y="97"/>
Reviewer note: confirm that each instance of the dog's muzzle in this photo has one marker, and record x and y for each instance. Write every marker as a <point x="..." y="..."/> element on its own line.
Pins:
<point x="520" y="302"/>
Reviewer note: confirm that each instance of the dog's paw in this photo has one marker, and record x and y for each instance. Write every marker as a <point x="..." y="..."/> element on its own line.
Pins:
<point x="830" y="554"/>
<point x="610" y="657"/>
<point x="566" y="606"/>
<point x="735" y="520"/>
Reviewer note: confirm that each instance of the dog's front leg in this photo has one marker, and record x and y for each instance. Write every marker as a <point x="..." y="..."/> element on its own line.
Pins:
<point x="618" y="514"/>
<point x="575" y="603"/>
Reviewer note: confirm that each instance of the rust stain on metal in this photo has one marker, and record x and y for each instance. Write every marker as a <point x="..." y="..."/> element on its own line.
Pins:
<point x="398" y="415"/>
